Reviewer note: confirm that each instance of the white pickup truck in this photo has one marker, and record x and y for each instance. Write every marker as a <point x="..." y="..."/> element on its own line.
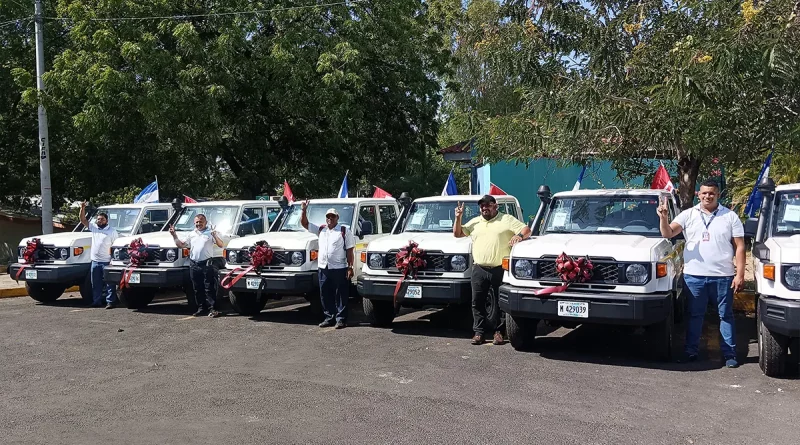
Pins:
<point x="776" y="261"/>
<point x="65" y="259"/>
<point x="293" y="270"/>
<point x="168" y="266"/>
<point x="445" y="280"/>
<point x="637" y="273"/>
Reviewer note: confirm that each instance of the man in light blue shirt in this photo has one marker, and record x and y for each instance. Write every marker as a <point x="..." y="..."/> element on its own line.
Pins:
<point x="103" y="236"/>
<point x="201" y="243"/>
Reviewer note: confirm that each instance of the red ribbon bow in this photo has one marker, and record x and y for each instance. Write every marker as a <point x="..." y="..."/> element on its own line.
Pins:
<point x="570" y="271"/>
<point x="138" y="253"/>
<point x="260" y="255"/>
<point x="32" y="249"/>
<point x="409" y="261"/>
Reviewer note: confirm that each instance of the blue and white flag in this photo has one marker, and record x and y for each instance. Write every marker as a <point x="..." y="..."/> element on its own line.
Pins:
<point x="754" y="202"/>
<point x="580" y="179"/>
<point x="450" y="188"/>
<point x="343" y="189"/>
<point x="148" y="194"/>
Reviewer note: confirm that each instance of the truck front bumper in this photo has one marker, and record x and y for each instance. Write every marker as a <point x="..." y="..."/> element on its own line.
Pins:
<point x="52" y="273"/>
<point x="435" y="292"/>
<point x="603" y="308"/>
<point x="149" y="276"/>
<point x="285" y="283"/>
<point x="780" y="315"/>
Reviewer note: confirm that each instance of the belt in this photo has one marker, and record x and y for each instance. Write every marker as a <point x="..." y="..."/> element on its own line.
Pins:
<point x="487" y="267"/>
<point x="205" y="262"/>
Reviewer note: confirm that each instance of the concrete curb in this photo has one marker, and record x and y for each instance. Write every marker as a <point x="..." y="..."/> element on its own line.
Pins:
<point x="22" y="292"/>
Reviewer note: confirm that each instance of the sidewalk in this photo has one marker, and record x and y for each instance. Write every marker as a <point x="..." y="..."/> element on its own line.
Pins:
<point x="10" y="288"/>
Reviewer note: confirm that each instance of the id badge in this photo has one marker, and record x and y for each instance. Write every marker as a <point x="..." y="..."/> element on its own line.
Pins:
<point x="706" y="236"/>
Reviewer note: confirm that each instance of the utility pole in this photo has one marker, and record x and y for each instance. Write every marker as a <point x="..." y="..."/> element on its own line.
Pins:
<point x="44" y="143"/>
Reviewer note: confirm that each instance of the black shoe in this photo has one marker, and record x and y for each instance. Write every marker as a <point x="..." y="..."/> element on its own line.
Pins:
<point x="327" y="323"/>
<point x="687" y="358"/>
<point x="111" y="306"/>
<point x="213" y="313"/>
<point x="199" y="312"/>
<point x="341" y="325"/>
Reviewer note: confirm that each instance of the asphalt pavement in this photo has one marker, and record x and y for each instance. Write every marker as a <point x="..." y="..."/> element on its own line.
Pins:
<point x="73" y="375"/>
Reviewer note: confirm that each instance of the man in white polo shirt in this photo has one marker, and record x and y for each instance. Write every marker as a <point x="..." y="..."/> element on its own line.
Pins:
<point x="201" y="242"/>
<point x="335" y="262"/>
<point x="714" y="235"/>
<point x="103" y="236"/>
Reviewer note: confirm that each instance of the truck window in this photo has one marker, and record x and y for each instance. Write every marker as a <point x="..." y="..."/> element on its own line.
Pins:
<point x="604" y="214"/>
<point x="252" y="221"/>
<point x="437" y="216"/>
<point x="388" y="217"/>
<point x="786" y="214"/>
<point x="367" y="213"/>
<point x="153" y="220"/>
<point x="272" y="213"/>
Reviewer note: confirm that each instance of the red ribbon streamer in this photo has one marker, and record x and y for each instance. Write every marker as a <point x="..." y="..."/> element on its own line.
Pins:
<point x="260" y="255"/>
<point x="570" y="271"/>
<point x="32" y="247"/>
<point x="408" y="261"/>
<point x="138" y="253"/>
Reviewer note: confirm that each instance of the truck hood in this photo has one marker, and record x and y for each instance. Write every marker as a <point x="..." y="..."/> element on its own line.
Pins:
<point x="444" y="242"/>
<point x="619" y="247"/>
<point x="161" y="239"/>
<point x="65" y="239"/>
<point x="786" y="248"/>
<point x="278" y="240"/>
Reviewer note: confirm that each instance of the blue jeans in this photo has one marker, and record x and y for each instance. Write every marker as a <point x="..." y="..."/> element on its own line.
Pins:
<point x="334" y="290"/>
<point x="99" y="287"/>
<point x="701" y="289"/>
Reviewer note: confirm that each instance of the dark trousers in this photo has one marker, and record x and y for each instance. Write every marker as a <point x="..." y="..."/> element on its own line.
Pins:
<point x="204" y="281"/>
<point x="334" y="290"/>
<point x="486" y="282"/>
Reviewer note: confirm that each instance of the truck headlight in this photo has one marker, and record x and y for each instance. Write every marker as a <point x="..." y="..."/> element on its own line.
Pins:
<point x="297" y="258"/>
<point x="458" y="263"/>
<point x="63" y="253"/>
<point x="172" y="255"/>
<point x="523" y="269"/>
<point x="636" y="274"/>
<point x="375" y="261"/>
<point x="115" y="253"/>
<point x="233" y="256"/>
<point x="792" y="277"/>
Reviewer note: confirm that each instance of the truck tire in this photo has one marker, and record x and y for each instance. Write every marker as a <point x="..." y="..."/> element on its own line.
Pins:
<point x="247" y="303"/>
<point x="493" y="312"/>
<point x="86" y="289"/>
<point x="772" y="351"/>
<point x="136" y="298"/>
<point x="521" y="332"/>
<point x="660" y="336"/>
<point x="44" y="292"/>
<point x="378" y="313"/>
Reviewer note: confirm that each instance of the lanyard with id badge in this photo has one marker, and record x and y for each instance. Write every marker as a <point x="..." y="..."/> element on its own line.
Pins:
<point x="706" y="235"/>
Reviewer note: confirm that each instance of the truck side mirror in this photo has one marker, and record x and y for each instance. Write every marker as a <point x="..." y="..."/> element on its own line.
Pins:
<point x="750" y="228"/>
<point x="366" y="229"/>
<point x="761" y="251"/>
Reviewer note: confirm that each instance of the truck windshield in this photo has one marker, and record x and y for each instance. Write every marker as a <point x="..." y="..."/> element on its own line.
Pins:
<point x="437" y="216"/>
<point x="316" y="215"/>
<point x="630" y="215"/>
<point x="122" y="219"/>
<point x="220" y="218"/>
<point x="786" y="216"/>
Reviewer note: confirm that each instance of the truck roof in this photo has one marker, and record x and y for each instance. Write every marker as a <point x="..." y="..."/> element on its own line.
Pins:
<point x="237" y="203"/>
<point x="348" y="200"/>
<point x="612" y="192"/>
<point x="136" y="206"/>
<point x="462" y="198"/>
<point x="784" y="187"/>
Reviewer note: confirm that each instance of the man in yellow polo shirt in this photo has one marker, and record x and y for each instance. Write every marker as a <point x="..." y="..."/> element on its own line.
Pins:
<point x="492" y="235"/>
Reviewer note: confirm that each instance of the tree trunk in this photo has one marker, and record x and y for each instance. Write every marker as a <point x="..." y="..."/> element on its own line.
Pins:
<point x="688" y="169"/>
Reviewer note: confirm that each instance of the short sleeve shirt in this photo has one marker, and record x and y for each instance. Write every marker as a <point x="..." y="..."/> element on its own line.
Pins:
<point x="332" y="246"/>
<point x="711" y="254"/>
<point x="490" y="238"/>
<point x="102" y="239"/>
<point x="201" y="244"/>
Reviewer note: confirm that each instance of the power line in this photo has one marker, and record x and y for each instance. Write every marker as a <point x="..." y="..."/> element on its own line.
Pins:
<point x="15" y="21"/>
<point x="211" y="14"/>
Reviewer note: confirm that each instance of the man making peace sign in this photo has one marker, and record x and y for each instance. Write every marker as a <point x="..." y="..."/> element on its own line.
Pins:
<point x="492" y="234"/>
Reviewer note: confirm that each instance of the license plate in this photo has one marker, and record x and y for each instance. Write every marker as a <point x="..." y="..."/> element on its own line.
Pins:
<point x="31" y="274"/>
<point x="414" y="292"/>
<point x="253" y="283"/>
<point x="573" y="309"/>
<point x="135" y="278"/>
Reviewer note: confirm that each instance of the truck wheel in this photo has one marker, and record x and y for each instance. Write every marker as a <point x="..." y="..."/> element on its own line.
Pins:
<point x="378" y="313"/>
<point x="521" y="332"/>
<point x="44" y="292"/>
<point x="772" y="351"/>
<point x="247" y="303"/>
<point x="136" y="298"/>
<point x="86" y="289"/>
<point x="659" y="335"/>
<point x="493" y="307"/>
